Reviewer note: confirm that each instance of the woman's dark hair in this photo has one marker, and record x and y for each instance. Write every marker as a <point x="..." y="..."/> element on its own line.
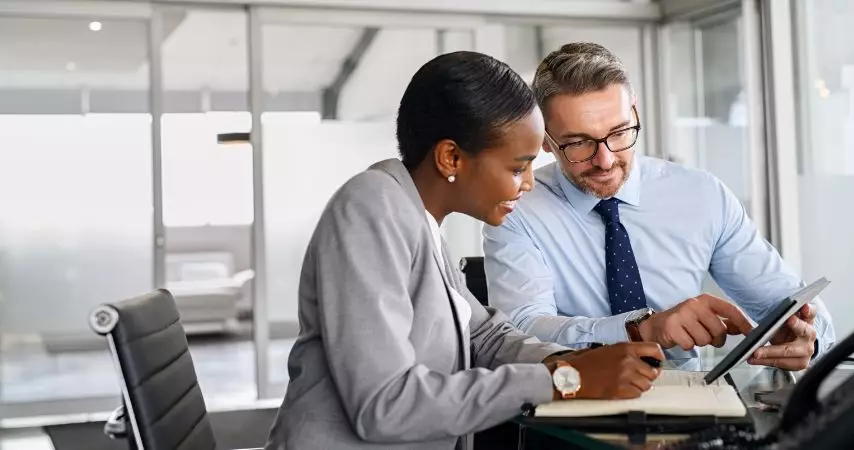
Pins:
<point x="466" y="97"/>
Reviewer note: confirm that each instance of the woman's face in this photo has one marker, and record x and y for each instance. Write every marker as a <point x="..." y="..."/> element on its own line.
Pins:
<point x="492" y="181"/>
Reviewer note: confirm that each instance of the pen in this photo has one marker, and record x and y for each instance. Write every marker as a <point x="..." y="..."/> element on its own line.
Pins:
<point x="647" y="359"/>
<point x="651" y="361"/>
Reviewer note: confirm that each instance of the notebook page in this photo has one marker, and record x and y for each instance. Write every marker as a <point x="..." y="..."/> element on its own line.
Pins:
<point x="721" y="401"/>
<point x="685" y="378"/>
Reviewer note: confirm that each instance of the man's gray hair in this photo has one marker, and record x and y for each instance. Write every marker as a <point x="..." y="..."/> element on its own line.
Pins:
<point x="578" y="68"/>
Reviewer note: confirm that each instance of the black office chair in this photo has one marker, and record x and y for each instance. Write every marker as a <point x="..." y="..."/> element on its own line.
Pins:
<point x="162" y="405"/>
<point x="472" y="267"/>
<point x="504" y="436"/>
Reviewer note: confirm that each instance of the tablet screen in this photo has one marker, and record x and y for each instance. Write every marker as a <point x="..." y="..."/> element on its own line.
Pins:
<point x="765" y="330"/>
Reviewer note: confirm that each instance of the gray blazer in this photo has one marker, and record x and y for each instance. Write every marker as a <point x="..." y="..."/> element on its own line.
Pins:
<point x="377" y="363"/>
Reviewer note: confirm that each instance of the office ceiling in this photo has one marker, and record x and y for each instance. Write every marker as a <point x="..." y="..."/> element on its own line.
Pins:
<point x="201" y="50"/>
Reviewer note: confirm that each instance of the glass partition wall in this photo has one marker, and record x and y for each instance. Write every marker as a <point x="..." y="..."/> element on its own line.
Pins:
<point x="111" y="118"/>
<point x="707" y="101"/>
<point x="824" y="175"/>
<point x="193" y="148"/>
<point x="76" y="196"/>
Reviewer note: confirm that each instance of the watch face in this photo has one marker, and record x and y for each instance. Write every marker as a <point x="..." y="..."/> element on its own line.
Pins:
<point x="639" y="315"/>
<point x="566" y="379"/>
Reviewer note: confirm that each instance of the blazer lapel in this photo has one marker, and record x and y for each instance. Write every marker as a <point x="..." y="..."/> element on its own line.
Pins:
<point x="462" y="327"/>
<point x="396" y="170"/>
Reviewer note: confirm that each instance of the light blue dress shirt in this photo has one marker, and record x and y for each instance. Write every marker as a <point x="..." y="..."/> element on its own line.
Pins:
<point x="545" y="264"/>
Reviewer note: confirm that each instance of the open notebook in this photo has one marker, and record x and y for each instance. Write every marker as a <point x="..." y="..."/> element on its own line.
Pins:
<point x="674" y="393"/>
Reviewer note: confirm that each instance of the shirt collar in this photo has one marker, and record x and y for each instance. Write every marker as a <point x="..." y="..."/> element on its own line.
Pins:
<point x="584" y="203"/>
<point x="435" y="231"/>
<point x="434" y="225"/>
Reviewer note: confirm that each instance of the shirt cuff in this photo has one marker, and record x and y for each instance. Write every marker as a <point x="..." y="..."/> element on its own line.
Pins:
<point x="825" y="337"/>
<point x="612" y="329"/>
<point x="556" y="354"/>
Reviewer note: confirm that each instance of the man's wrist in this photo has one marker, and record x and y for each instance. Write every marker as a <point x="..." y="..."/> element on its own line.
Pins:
<point x="634" y="321"/>
<point x="633" y="330"/>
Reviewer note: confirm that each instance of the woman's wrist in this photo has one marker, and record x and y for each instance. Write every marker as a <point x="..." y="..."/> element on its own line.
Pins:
<point x="557" y="355"/>
<point x="551" y="366"/>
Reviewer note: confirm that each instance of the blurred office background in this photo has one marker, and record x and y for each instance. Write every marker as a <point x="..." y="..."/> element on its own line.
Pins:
<point x="192" y="145"/>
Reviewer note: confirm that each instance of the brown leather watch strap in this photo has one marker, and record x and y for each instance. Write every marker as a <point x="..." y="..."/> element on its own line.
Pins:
<point x="633" y="329"/>
<point x="633" y="326"/>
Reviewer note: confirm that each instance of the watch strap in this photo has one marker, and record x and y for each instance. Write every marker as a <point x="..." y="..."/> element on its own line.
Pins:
<point x="633" y="325"/>
<point x="633" y="330"/>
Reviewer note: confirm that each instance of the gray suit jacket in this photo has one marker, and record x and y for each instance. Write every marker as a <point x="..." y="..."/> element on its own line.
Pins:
<point x="377" y="363"/>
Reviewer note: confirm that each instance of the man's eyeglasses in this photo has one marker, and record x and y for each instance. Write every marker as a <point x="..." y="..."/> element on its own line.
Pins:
<point x="581" y="150"/>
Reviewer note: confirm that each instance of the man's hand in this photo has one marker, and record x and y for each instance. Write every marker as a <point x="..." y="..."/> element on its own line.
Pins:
<point x="793" y="345"/>
<point x="613" y="371"/>
<point x="701" y="320"/>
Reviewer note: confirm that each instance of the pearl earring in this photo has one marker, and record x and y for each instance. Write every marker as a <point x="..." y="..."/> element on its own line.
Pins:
<point x="452" y="178"/>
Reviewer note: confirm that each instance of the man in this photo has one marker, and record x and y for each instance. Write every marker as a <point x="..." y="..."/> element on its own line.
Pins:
<point x="614" y="246"/>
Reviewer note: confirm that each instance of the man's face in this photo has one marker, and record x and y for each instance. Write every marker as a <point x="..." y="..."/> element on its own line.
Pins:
<point x="571" y="119"/>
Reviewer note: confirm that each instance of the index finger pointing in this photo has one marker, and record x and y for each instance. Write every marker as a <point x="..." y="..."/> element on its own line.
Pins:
<point x="735" y="318"/>
<point x="731" y="329"/>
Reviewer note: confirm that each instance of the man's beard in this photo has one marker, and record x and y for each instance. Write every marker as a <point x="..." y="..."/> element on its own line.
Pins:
<point x="583" y="182"/>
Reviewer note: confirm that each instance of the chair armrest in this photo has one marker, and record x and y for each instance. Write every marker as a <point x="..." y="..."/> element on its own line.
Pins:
<point x="116" y="425"/>
<point x="242" y="277"/>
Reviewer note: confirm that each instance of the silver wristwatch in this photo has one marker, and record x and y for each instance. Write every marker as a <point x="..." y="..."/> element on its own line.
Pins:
<point x="633" y="321"/>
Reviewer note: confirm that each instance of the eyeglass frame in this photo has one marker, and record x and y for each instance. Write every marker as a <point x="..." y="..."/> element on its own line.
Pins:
<point x="598" y="142"/>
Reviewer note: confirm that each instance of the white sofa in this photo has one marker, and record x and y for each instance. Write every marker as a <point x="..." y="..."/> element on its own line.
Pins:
<point x="207" y="290"/>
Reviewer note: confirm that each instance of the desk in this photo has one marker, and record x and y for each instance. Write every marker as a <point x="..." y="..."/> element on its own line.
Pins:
<point x="747" y="379"/>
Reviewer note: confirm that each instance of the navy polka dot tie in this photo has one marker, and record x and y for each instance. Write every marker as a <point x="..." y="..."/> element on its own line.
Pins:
<point x="625" y="289"/>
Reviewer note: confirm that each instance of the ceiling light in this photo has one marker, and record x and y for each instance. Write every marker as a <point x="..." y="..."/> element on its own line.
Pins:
<point x="95" y="26"/>
<point x="70" y="66"/>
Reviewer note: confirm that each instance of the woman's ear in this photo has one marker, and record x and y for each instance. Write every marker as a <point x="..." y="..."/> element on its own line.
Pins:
<point x="446" y="154"/>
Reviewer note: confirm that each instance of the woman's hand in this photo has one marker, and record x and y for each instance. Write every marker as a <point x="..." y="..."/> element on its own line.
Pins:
<point x="613" y="371"/>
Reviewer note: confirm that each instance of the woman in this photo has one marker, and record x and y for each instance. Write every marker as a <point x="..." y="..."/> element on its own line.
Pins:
<point x="393" y="350"/>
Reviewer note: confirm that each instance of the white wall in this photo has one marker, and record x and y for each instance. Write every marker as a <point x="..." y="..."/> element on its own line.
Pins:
<point x="826" y="169"/>
<point x="375" y="89"/>
<point x="72" y="235"/>
<point x="707" y="123"/>
<point x="827" y="245"/>
<point x="296" y="188"/>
